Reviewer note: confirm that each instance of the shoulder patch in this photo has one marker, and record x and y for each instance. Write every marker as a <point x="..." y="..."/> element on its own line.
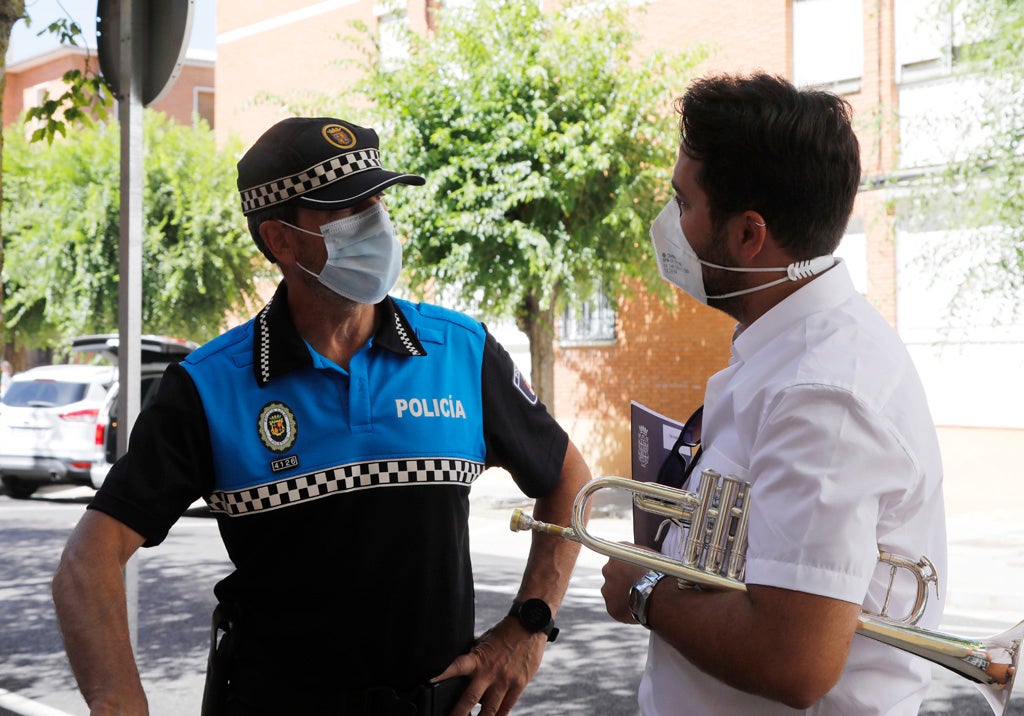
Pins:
<point x="519" y="381"/>
<point x="277" y="426"/>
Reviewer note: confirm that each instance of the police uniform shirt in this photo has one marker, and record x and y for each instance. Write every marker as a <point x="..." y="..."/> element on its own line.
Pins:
<point x="341" y="496"/>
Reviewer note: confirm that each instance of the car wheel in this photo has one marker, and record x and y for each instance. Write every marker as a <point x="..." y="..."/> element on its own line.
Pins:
<point x="18" y="489"/>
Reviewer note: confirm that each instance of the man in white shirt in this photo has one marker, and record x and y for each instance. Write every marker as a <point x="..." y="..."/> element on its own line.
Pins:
<point x="820" y="409"/>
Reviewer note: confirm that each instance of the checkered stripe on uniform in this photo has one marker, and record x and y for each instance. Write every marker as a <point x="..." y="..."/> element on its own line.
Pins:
<point x="335" y="168"/>
<point x="264" y="343"/>
<point x="403" y="335"/>
<point x="355" y="476"/>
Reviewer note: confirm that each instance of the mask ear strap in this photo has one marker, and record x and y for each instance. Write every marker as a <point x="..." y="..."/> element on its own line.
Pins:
<point x="314" y="275"/>
<point x="812" y="267"/>
<point x="299" y="228"/>
<point x="794" y="272"/>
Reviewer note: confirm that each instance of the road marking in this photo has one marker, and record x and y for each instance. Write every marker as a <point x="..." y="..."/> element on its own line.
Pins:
<point x="26" y="707"/>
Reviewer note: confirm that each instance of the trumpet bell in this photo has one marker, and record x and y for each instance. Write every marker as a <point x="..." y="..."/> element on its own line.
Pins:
<point x="1001" y="651"/>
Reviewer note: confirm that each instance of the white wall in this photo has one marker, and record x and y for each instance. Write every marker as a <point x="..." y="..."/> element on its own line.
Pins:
<point x="971" y="358"/>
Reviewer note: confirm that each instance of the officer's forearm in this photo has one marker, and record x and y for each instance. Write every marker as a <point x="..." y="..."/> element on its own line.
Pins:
<point x="552" y="559"/>
<point x="89" y="595"/>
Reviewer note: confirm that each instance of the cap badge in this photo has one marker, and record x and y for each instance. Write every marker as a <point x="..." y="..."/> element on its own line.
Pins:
<point x="277" y="427"/>
<point x="339" y="136"/>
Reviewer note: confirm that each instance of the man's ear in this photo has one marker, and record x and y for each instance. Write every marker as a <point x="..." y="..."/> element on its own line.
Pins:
<point x="750" y="234"/>
<point x="278" y="239"/>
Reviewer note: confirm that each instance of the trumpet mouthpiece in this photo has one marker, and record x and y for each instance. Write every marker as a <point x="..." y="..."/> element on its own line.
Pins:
<point x="520" y="521"/>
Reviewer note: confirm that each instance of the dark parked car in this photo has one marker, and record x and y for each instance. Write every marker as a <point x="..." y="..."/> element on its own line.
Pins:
<point x="157" y="354"/>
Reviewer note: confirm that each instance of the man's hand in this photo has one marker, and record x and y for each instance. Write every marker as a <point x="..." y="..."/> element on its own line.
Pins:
<point x="501" y="664"/>
<point x="619" y="576"/>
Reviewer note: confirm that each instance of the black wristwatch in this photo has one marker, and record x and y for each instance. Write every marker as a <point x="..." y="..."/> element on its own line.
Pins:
<point x="535" y="616"/>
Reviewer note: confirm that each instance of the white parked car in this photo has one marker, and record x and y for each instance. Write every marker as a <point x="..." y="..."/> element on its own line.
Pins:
<point x="48" y="426"/>
<point x="56" y="422"/>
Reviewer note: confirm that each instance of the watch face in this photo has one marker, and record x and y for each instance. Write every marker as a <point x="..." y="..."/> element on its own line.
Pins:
<point x="534" y="614"/>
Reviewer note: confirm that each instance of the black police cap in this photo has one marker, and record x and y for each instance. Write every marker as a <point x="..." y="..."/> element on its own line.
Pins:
<point x="314" y="162"/>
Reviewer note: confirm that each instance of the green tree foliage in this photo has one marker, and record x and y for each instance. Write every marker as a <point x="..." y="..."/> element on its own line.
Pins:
<point x="11" y="11"/>
<point x="991" y="180"/>
<point x="61" y="216"/>
<point x="85" y="95"/>
<point x="980" y="193"/>
<point x="85" y="98"/>
<point x="547" y="143"/>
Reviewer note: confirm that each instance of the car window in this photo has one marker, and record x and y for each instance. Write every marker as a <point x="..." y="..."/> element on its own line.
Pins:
<point x="147" y="391"/>
<point x="43" y="393"/>
<point x="149" y="388"/>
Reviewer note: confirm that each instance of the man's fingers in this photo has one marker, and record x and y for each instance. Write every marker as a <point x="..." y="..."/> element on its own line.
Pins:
<point x="464" y="665"/>
<point x="468" y="701"/>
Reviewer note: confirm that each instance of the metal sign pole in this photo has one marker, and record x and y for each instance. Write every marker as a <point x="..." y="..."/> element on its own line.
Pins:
<point x="141" y="48"/>
<point x="129" y="354"/>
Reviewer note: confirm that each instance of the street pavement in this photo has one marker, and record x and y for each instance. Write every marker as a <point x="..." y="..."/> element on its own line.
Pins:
<point x="592" y="669"/>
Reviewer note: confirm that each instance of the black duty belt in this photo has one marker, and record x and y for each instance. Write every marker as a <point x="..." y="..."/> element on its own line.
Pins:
<point x="434" y="700"/>
<point x="218" y="700"/>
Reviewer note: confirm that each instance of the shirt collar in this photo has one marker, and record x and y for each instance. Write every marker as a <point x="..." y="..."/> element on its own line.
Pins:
<point x="279" y="349"/>
<point x="823" y="293"/>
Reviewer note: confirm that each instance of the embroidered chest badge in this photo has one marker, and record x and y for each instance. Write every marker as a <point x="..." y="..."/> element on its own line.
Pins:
<point x="277" y="427"/>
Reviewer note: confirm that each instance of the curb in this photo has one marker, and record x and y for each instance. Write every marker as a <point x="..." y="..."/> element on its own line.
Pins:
<point x="11" y="703"/>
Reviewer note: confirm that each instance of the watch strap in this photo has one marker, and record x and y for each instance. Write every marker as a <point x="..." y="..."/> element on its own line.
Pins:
<point x="640" y="596"/>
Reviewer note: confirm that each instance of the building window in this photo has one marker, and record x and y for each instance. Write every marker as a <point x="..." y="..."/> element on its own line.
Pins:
<point x="933" y="130"/>
<point x="593" y="321"/>
<point x="34" y="97"/>
<point x="394" y="46"/>
<point x="203" y="104"/>
<point x="828" y="44"/>
<point x="929" y="37"/>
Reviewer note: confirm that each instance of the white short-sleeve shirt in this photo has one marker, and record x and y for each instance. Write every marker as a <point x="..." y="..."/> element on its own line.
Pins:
<point x="822" y="411"/>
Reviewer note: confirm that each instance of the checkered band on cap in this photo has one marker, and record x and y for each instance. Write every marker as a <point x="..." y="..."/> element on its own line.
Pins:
<point x="317" y="176"/>
<point x="351" y="477"/>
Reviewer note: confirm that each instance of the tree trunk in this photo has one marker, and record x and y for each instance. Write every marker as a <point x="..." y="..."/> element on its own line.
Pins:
<point x="10" y="12"/>
<point x="539" y="326"/>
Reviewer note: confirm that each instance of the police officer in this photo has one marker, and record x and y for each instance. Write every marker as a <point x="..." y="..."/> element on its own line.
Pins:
<point x="336" y="437"/>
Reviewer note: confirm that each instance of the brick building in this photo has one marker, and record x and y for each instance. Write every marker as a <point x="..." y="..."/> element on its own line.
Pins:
<point x="889" y="58"/>
<point x="29" y="80"/>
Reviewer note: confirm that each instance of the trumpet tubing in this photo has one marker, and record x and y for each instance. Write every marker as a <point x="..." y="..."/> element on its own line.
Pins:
<point x="714" y="554"/>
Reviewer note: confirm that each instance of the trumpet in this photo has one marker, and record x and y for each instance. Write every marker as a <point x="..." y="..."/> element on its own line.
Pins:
<point x="714" y="554"/>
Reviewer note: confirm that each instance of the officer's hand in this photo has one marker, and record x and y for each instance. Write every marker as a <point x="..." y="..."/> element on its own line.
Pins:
<point x="501" y="664"/>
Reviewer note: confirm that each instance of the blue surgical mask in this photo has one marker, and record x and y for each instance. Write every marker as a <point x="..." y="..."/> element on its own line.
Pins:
<point x="364" y="258"/>
<point x="679" y="264"/>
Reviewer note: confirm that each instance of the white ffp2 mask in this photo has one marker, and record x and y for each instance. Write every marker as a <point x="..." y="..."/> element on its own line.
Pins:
<point x="679" y="264"/>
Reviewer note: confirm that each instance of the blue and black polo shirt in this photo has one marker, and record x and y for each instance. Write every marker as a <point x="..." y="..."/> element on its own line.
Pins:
<point x="341" y="495"/>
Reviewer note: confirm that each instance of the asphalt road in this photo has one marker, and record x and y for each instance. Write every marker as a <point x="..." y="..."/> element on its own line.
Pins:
<point x="593" y="668"/>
